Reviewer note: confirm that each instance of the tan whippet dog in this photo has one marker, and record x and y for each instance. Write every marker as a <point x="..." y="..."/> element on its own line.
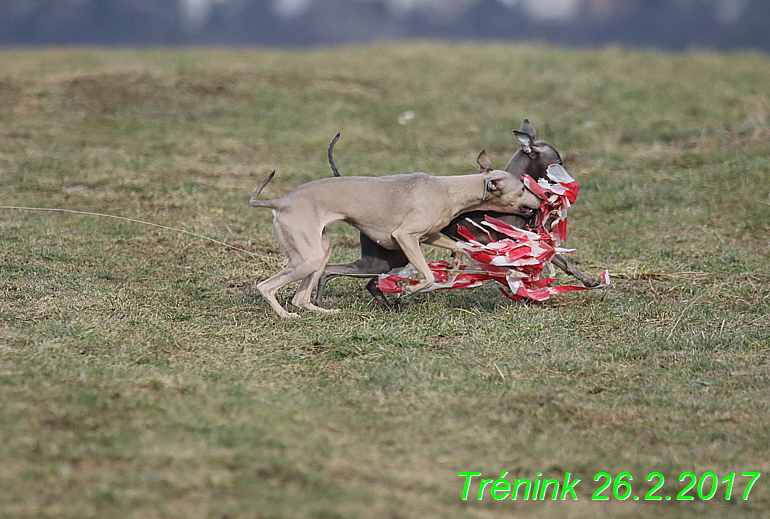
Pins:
<point x="396" y="211"/>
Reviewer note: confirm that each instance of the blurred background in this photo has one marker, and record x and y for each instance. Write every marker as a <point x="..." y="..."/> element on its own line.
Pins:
<point x="662" y="24"/>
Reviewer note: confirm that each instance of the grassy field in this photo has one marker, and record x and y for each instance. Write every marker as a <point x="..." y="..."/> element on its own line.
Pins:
<point x="142" y="376"/>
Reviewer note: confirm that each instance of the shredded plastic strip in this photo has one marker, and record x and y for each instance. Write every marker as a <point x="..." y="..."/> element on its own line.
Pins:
<point x="518" y="262"/>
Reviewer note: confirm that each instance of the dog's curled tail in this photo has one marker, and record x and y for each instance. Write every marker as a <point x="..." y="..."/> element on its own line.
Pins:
<point x="261" y="203"/>
<point x="329" y="154"/>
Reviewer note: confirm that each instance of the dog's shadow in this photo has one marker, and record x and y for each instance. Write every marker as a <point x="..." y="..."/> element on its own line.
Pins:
<point x="488" y="300"/>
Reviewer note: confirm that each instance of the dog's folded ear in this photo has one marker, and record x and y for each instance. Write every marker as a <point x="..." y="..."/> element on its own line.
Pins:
<point x="485" y="165"/>
<point x="527" y="128"/>
<point x="493" y="184"/>
<point x="526" y="141"/>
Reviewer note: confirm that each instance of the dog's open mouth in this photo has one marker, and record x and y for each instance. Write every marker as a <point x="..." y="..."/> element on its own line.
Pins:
<point x="527" y="211"/>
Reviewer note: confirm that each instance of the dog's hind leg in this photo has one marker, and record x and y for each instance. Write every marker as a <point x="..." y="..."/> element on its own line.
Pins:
<point x="379" y="295"/>
<point x="307" y="252"/>
<point x="357" y="269"/>
<point x="302" y="297"/>
<point x="270" y="286"/>
<point x="374" y="260"/>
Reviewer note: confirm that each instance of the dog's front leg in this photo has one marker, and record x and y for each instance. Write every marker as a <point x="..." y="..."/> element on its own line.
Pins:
<point x="410" y="244"/>
<point x="439" y="240"/>
<point x="573" y="271"/>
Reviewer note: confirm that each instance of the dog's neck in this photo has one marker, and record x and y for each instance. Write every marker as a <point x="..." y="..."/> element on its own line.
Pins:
<point x="467" y="192"/>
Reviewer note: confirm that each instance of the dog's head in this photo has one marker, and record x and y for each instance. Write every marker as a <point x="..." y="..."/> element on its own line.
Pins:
<point x="504" y="192"/>
<point x="534" y="157"/>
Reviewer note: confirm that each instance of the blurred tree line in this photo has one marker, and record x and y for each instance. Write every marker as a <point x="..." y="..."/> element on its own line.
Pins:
<point x="667" y="24"/>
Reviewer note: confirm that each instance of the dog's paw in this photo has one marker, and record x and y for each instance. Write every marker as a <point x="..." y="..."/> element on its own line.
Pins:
<point x="314" y="308"/>
<point x="406" y="286"/>
<point x="591" y="282"/>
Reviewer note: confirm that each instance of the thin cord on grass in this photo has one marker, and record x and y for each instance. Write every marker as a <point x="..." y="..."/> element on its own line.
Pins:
<point x="56" y="209"/>
<point x="133" y="220"/>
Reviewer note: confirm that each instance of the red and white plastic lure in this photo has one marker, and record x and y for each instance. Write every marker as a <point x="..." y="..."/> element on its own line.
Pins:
<point x="517" y="262"/>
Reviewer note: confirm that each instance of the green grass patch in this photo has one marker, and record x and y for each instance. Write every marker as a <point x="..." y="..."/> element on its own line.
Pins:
<point x="141" y="375"/>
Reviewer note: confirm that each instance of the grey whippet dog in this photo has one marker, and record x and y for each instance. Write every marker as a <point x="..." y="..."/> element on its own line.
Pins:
<point x="398" y="212"/>
<point x="532" y="159"/>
